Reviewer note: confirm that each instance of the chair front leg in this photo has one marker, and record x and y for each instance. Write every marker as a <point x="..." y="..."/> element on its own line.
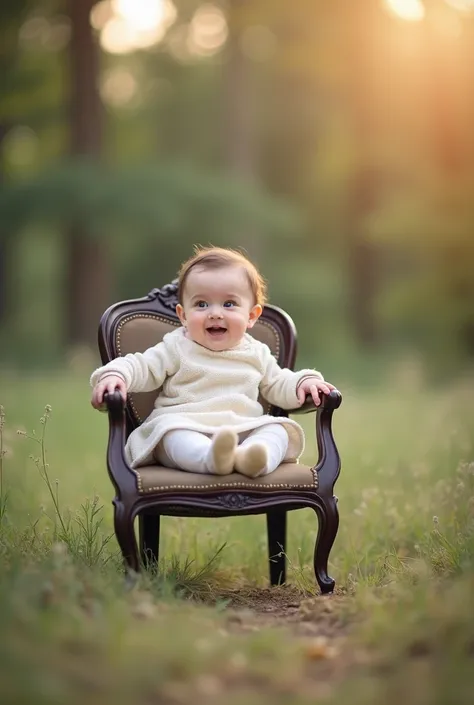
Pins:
<point x="276" y="530"/>
<point x="328" y="516"/>
<point x="123" y="524"/>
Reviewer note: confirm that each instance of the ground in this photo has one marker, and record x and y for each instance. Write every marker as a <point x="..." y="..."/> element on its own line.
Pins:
<point x="207" y="629"/>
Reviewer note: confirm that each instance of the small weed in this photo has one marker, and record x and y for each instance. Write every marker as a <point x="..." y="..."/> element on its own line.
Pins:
<point x="183" y="578"/>
<point x="81" y="532"/>
<point x="3" y="492"/>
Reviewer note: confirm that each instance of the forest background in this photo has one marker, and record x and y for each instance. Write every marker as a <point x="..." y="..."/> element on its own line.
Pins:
<point x="333" y="141"/>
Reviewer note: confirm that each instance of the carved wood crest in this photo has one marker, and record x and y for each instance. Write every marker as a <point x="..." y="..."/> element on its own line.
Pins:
<point x="167" y="295"/>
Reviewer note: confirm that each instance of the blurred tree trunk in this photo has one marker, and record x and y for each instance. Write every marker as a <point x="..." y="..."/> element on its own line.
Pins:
<point x="88" y="275"/>
<point x="361" y="254"/>
<point x="239" y="136"/>
<point x="12" y="13"/>
<point x="239" y="97"/>
<point x="5" y="247"/>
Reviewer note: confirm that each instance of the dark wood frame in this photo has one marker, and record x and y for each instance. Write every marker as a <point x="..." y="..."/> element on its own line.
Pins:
<point x="128" y="503"/>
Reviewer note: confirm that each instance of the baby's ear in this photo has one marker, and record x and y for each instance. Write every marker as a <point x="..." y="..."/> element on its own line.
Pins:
<point x="180" y="313"/>
<point x="254" y="315"/>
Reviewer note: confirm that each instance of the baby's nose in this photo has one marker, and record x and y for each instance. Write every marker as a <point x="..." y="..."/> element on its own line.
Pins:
<point x="215" y="312"/>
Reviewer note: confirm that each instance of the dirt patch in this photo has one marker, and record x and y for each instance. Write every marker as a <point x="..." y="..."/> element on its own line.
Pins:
<point x="327" y="616"/>
<point x="320" y="625"/>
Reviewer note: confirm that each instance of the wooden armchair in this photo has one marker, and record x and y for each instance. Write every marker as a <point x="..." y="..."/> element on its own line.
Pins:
<point x="152" y="491"/>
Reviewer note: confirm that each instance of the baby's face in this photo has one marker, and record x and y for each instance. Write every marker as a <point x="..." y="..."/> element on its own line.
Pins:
<point x="218" y="307"/>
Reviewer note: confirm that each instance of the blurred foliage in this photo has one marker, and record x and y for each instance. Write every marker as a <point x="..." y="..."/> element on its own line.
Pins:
<point x="169" y="199"/>
<point x="332" y="142"/>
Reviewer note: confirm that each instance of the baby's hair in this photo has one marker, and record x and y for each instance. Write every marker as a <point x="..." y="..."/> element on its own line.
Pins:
<point x="218" y="257"/>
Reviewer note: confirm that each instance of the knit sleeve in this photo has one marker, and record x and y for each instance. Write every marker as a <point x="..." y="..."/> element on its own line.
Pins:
<point x="142" y="372"/>
<point x="279" y="385"/>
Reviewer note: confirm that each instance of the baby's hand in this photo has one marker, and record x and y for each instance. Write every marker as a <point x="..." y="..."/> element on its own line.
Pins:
<point x="108" y="384"/>
<point x="313" y="386"/>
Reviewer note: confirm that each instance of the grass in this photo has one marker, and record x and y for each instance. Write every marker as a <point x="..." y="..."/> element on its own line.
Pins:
<point x="401" y="626"/>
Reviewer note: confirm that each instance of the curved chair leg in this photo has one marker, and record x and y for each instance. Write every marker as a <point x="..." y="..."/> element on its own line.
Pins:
<point x="149" y="540"/>
<point x="276" y="530"/>
<point x="328" y="525"/>
<point x="123" y="524"/>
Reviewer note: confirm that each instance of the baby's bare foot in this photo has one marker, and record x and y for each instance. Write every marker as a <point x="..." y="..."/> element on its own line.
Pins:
<point x="223" y="448"/>
<point x="251" y="460"/>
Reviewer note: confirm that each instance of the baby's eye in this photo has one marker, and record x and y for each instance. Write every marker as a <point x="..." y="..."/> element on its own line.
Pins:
<point x="229" y="304"/>
<point x="201" y="304"/>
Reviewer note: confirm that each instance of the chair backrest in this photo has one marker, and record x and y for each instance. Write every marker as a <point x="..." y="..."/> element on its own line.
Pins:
<point x="135" y="325"/>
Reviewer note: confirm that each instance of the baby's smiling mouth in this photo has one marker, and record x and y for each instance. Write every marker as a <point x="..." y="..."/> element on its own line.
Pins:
<point x="216" y="329"/>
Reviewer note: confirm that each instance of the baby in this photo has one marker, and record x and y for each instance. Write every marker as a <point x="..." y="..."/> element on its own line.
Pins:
<point x="210" y="372"/>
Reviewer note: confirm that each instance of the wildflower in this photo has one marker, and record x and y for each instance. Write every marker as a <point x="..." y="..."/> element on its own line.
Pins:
<point x="435" y="520"/>
<point x="320" y="648"/>
<point x="59" y="549"/>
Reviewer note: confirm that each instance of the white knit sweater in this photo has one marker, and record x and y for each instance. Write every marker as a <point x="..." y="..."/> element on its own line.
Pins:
<point x="202" y="390"/>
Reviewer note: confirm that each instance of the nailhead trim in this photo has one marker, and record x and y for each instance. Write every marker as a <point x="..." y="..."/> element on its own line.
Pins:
<point x="219" y="486"/>
<point x="233" y="485"/>
<point x="277" y="336"/>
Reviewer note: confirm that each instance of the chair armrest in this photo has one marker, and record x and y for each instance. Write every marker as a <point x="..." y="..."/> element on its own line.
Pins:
<point x="329" y="462"/>
<point x="330" y="401"/>
<point x="120" y="472"/>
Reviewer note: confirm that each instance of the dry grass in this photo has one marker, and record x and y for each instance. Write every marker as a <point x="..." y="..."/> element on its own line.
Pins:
<point x="400" y="625"/>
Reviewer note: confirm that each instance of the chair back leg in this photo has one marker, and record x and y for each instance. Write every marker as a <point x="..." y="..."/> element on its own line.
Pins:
<point x="276" y="530"/>
<point x="149" y="532"/>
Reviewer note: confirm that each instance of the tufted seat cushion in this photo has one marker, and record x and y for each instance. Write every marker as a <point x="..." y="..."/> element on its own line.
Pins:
<point x="156" y="478"/>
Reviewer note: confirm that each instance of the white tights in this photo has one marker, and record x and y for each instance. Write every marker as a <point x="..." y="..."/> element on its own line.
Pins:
<point x="192" y="450"/>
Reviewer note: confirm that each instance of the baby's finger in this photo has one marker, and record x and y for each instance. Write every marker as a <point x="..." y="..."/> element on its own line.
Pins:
<point x="315" y="394"/>
<point x="97" y="395"/>
<point x="301" y="395"/>
<point x="111" y="386"/>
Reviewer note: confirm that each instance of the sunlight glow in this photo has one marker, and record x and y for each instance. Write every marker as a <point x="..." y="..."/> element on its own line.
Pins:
<point x="51" y="34"/>
<point x="465" y="6"/>
<point x="127" y="25"/>
<point x="446" y="23"/>
<point x="141" y="15"/>
<point x="410" y="10"/>
<point x="118" y="86"/>
<point x="207" y="31"/>
<point x="120" y="37"/>
<point x="178" y="44"/>
<point x="101" y="14"/>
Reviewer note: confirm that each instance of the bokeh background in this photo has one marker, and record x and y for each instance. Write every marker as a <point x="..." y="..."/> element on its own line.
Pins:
<point x="333" y="141"/>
